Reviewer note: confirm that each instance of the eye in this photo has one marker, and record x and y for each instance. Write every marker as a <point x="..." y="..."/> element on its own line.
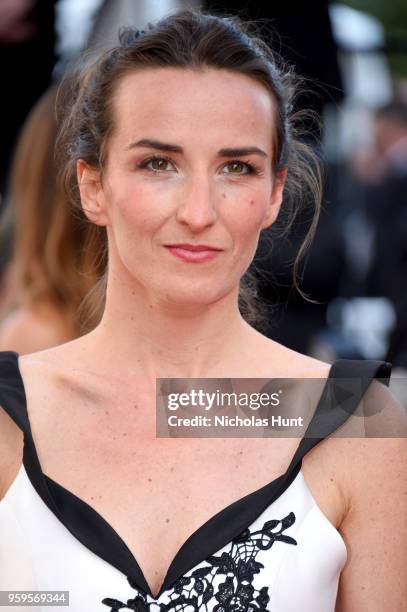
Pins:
<point x="250" y="167"/>
<point x="157" y="164"/>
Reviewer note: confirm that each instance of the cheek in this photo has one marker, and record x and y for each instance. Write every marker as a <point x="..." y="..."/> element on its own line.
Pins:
<point x="133" y="212"/>
<point x="245" y="229"/>
<point x="250" y="217"/>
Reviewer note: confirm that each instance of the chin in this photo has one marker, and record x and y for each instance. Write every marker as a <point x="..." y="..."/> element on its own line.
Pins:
<point x="189" y="296"/>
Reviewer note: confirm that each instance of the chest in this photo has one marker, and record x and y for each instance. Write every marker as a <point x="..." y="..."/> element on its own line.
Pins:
<point x="156" y="492"/>
<point x="156" y="495"/>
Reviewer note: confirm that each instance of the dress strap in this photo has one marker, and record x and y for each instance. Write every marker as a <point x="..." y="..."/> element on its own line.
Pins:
<point x="345" y="386"/>
<point x="12" y="393"/>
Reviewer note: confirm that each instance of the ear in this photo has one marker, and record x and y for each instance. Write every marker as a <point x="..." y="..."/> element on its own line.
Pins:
<point x="91" y="192"/>
<point x="275" y="199"/>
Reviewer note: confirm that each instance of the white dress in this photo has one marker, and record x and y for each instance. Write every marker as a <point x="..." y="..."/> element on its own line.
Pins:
<point x="272" y="550"/>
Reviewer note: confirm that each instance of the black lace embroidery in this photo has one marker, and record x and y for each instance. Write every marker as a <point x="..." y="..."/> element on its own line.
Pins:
<point x="236" y="593"/>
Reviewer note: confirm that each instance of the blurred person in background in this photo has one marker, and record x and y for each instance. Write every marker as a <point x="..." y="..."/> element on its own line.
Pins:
<point x="27" y="58"/>
<point x="386" y="178"/>
<point x="55" y="260"/>
<point x="27" y="41"/>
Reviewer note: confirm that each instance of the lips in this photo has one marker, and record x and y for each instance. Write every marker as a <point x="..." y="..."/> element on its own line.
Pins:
<point x="194" y="253"/>
<point x="194" y="247"/>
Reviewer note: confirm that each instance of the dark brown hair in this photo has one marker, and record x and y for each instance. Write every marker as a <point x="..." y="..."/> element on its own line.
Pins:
<point x="191" y="39"/>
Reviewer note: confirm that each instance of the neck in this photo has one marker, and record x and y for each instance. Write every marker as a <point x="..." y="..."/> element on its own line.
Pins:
<point x="160" y="339"/>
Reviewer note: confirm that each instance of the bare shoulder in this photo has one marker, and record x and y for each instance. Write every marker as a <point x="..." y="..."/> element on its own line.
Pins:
<point x="378" y="460"/>
<point x="11" y="449"/>
<point x="280" y="360"/>
<point x="374" y="483"/>
<point x="51" y="373"/>
<point x="11" y="437"/>
<point x="367" y="476"/>
<point x="45" y="374"/>
<point x="62" y="359"/>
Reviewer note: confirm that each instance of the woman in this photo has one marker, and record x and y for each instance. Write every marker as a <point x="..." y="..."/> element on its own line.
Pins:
<point x="181" y="145"/>
<point x="55" y="260"/>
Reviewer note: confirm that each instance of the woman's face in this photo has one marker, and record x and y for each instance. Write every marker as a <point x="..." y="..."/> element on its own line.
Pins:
<point x="189" y="162"/>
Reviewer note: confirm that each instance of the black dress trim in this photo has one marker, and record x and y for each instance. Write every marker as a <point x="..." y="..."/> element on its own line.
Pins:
<point x="96" y="534"/>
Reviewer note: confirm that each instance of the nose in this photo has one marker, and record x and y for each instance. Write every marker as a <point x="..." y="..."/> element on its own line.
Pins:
<point x="197" y="206"/>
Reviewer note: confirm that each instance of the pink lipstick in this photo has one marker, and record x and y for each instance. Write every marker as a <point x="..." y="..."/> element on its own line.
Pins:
<point x="194" y="253"/>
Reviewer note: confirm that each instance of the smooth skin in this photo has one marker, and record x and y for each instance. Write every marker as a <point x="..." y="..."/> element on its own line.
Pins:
<point x="168" y="318"/>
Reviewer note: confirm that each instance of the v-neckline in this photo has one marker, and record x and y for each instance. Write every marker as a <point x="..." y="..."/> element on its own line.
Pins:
<point x="89" y="527"/>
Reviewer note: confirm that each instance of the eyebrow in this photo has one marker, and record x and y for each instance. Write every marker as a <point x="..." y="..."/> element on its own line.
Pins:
<point x="163" y="146"/>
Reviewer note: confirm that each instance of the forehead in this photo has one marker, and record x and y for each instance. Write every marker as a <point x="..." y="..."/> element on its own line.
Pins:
<point x="209" y="106"/>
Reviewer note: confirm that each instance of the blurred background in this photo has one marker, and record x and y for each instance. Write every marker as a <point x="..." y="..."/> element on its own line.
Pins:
<point x="354" y="54"/>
